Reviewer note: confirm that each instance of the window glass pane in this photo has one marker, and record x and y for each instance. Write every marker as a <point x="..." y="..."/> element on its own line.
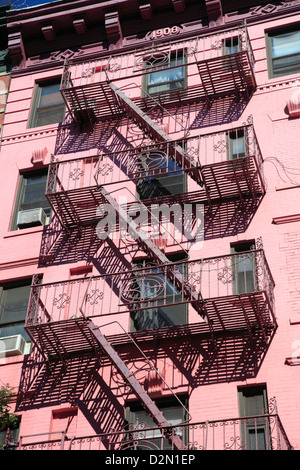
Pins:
<point x="13" y="309"/>
<point x="34" y="193"/>
<point x="285" y="53"/>
<point x="254" y="431"/>
<point x="169" y="78"/>
<point x="257" y="439"/>
<point x="231" y="46"/>
<point x="14" y="329"/>
<point x="243" y="268"/>
<point x="286" y="65"/>
<point x="152" y="186"/>
<point x="49" y="116"/>
<point x="237" y="145"/>
<point x="166" y="75"/>
<point x="254" y="404"/>
<point x="161" y="290"/>
<point x="159" y="317"/>
<point x="50" y="106"/>
<point x="286" y="44"/>
<point x="14" y="303"/>
<point x="50" y="95"/>
<point x="173" y="414"/>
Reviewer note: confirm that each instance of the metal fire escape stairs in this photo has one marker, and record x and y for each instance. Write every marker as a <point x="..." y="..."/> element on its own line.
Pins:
<point x="139" y="391"/>
<point x="146" y="124"/>
<point x="177" y="278"/>
<point x="156" y="254"/>
<point x="181" y="158"/>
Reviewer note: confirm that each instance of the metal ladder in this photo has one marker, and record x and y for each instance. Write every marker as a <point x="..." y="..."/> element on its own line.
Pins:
<point x="177" y="153"/>
<point x="180" y="157"/>
<point x="137" y="388"/>
<point x="155" y="253"/>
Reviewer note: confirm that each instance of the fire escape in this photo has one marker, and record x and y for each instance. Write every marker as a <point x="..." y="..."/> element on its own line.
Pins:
<point x="60" y="315"/>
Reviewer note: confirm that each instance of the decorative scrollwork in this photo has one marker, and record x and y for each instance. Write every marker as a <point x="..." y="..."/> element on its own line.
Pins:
<point x="217" y="44"/>
<point x="76" y="174"/>
<point x="152" y="160"/>
<point x="86" y="73"/>
<point x="94" y="296"/>
<point x="140" y="372"/>
<point x="105" y="169"/>
<point x="259" y="243"/>
<point x="155" y="60"/>
<point x="114" y="67"/>
<point x="221" y="146"/>
<point x="143" y="287"/>
<point x="61" y="301"/>
<point x="226" y="275"/>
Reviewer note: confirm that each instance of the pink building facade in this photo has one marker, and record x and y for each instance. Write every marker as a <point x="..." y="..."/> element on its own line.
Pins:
<point x="150" y="227"/>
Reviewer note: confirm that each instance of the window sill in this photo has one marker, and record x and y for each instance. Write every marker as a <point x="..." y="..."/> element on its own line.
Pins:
<point x="13" y="359"/>
<point x="286" y="219"/>
<point x="45" y="127"/>
<point x="24" y="231"/>
<point x="287" y="80"/>
<point x="34" y="131"/>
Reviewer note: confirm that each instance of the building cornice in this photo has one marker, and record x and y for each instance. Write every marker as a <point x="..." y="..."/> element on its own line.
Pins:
<point x="112" y="28"/>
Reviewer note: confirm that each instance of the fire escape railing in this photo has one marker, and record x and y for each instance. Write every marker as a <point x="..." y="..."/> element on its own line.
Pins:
<point x="228" y="163"/>
<point x="260" y="432"/>
<point x="223" y="61"/>
<point x="237" y="291"/>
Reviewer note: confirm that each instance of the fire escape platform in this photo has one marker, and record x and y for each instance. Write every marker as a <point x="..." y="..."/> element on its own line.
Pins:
<point x="76" y="206"/>
<point x="233" y="178"/>
<point x="91" y="102"/>
<point x="248" y="312"/>
<point x="61" y="339"/>
<point x="223" y="181"/>
<point x="229" y="75"/>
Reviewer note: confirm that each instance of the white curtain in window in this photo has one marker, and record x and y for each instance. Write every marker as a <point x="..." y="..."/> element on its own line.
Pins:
<point x="166" y="76"/>
<point x="167" y="79"/>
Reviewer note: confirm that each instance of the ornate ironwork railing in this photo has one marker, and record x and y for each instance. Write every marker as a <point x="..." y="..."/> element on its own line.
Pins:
<point x="149" y="287"/>
<point x="237" y="149"/>
<point x="261" y="432"/>
<point x="158" y="57"/>
<point x="183" y="71"/>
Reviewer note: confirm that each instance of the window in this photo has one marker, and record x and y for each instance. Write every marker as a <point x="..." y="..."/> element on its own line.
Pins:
<point x="48" y="106"/>
<point x="243" y="267"/>
<point x="236" y="144"/>
<point x="172" y="411"/>
<point x="159" y="297"/>
<point x="283" y="52"/>
<point x="63" y="420"/>
<point x="12" y="437"/>
<point x="169" y="74"/>
<point x="31" y="208"/>
<point x="231" y="46"/>
<point x="253" y="403"/>
<point x="14" y="299"/>
<point x="167" y="178"/>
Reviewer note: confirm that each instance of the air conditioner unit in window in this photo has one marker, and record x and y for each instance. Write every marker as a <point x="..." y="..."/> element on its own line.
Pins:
<point x="31" y="217"/>
<point x="12" y="345"/>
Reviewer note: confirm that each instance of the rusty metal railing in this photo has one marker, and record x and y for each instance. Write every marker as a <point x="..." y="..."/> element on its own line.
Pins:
<point x="260" y="432"/>
<point x="148" y="286"/>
